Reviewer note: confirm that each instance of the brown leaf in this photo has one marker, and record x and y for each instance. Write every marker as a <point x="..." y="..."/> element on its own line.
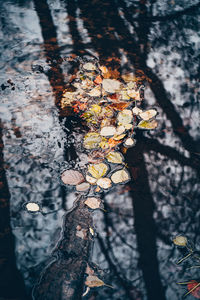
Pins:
<point x="93" y="202"/>
<point x="72" y="177"/>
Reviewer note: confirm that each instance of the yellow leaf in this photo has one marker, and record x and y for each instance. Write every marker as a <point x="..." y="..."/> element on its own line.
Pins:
<point x="125" y="117"/>
<point x="148" y="124"/>
<point x="180" y="240"/>
<point x="115" y="157"/>
<point x="148" y="114"/>
<point x="98" y="170"/>
<point x="120" y="176"/>
<point x="92" y="140"/>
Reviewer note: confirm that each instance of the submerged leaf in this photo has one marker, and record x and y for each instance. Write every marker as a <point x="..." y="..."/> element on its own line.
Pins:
<point x="148" y="124"/>
<point x="194" y="289"/>
<point x="98" y="170"/>
<point x="92" y="140"/>
<point x="72" y="177"/>
<point x="93" y="202"/>
<point x="148" y="114"/>
<point x="120" y="176"/>
<point x="115" y="157"/>
<point x="104" y="183"/>
<point x="111" y="85"/>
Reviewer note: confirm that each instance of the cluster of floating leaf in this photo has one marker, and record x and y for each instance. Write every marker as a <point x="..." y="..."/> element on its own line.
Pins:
<point x="109" y="107"/>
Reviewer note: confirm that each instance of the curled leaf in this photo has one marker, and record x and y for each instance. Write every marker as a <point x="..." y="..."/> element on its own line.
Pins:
<point x="93" y="202"/>
<point x="72" y="177"/>
<point x="148" y="124"/>
<point x="148" y="114"/>
<point x="97" y="170"/>
<point x="115" y="157"/>
<point x="92" y="140"/>
<point x="104" y="183"/>
<point x="120" y="176"/>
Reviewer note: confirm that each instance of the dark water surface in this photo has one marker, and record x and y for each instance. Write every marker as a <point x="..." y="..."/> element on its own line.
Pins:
<point x="159" y="41"/>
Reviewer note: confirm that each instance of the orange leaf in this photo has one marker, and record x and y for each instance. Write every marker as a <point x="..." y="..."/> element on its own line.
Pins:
<point x="112" y="143"/>
<point x="119" y="106"/>
<point x="98" y="79"/>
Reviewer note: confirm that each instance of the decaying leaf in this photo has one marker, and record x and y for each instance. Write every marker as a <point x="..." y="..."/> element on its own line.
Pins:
<point x="67" y="99"/>
<point x="96" y="156"/>
<point x="32" y="207"/>
<point x="119" y="106"/>
<point x="111" y="85"/>
<point x="98" y="170"/>
<point x="89" y="66"/>
<point x="90" y="179"/>
<point x="91" y="140"/>
<point x="72" y="177"/>
<point x="136" y="111"/>
<point x="93" y="202"/>
<point x="120" y="176"/>
<point x="104" y="183"/>
<point x="108" y="131"/>
<point x="94" y="281"/>
<point x="180" y="240"/>
<point x="115" y="157"/>
<point x="148" y="114"/>
<point x="96" y="108"/>
<point x="148" y="124"/>
<point x="98" y="79"/>
<point x="83" y="187"/>
<point x="125" y="117"/>
<point x="129" y="142"/>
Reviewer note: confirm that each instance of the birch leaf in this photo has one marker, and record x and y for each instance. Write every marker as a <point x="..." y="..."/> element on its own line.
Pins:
<point x="104" y="183"/>
<point x="136" y="111"/>
<point x="148" y="114"/>
<point x="95" y="92"/>
<point x="125" y="117"/>
<point x="90" y="179"/>
<point x="72" y="177"/>
<point x="108" y="131"/>
<point x="119" y="137"/>
<point x="120" y="176"/>
<point x="180" y="240"/>
<point x="89" y="66"/>
<point x="129" y="142"/>
<point x="94" y="281"/>
<point x="115" y="157"/>
<point x="32" y="207"/>
<point x="93" y="202"/>
<point x="148" y="124"/>
<point x="92" y="140"/>
<point x="98" y="170"/>
<point x="83" y="187"/>
<point x="111" y="85"/>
